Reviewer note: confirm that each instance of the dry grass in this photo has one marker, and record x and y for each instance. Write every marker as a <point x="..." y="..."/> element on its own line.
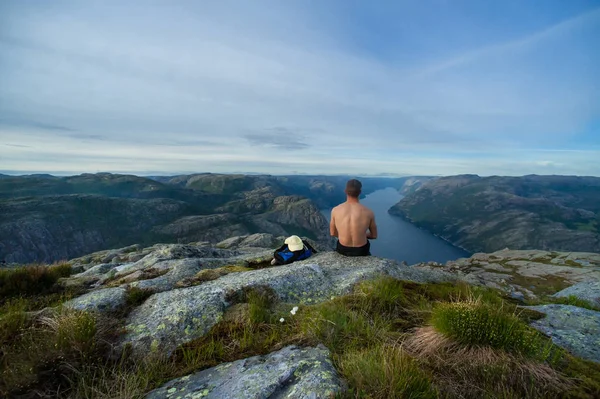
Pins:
<point x="384" y="372"/>
<point x="378" y="337"/>
<point x="36" y="279"/>
<point x="478" y="371"/>
<point x="124" y="380"/>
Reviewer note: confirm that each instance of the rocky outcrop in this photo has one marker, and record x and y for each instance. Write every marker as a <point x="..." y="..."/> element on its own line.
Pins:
<point x="557" y="213"/>
<point x="103" y="300"/>
<point x="292" y="372"/>
<point x="571" y="327"/>
<point x="526" y="274"/>
<point x="181" y="310"/>
<point x="191" y="288"/>
<point x="171" y="318"/>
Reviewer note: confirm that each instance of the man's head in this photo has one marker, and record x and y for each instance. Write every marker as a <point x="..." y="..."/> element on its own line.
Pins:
<point x="353" y="188"/>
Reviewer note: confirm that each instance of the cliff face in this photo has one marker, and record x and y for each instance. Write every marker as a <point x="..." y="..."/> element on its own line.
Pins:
<point x="61" y="227"/>
<point x="489" y="214"/>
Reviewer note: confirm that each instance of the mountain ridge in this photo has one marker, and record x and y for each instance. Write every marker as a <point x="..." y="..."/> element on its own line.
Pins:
<point x="486" y="214"/>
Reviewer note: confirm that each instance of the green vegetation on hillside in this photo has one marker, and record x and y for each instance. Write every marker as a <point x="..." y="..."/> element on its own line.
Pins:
<point x="486" y="214"/>
<point x="388" y="339"/>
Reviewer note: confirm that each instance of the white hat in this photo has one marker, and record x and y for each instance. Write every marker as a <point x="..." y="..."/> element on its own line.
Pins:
<point x="294" y="243"/>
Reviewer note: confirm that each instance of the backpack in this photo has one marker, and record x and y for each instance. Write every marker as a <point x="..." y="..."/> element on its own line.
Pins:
<point x="284" y="256"/>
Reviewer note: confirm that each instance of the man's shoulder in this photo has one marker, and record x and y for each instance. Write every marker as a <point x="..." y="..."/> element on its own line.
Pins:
<point x="340" y="206"/>
<point x="367" y="210"/>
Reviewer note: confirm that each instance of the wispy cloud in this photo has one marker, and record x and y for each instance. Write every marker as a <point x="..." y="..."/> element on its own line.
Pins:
<point x="334" y="86"/>
<point x="279" y="137"/>
<point x="591" y="17"/>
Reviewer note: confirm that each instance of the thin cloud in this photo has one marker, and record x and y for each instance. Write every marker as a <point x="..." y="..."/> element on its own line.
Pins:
<point x="280" y="138"/>
<point x="588" y="18"/>
<point x="35" y="125"/>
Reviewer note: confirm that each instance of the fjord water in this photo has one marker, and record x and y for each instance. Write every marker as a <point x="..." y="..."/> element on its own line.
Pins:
<point x="401" y="240"/>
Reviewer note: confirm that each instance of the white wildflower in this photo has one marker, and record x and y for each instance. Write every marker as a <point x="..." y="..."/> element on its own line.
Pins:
<point x="281" y="320"/>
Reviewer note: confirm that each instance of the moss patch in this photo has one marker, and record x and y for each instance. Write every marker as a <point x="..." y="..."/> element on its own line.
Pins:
<point x="541" y="286"/>
<point x="210" y="274"/>
<point x="148" y="274"/>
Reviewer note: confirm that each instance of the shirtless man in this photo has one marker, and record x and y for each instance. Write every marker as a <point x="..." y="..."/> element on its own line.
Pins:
<point x="353" y="223"/>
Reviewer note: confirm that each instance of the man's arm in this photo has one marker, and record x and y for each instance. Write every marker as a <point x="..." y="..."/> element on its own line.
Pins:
<point x="332" y="230"/>
<point x="372" y="234"/>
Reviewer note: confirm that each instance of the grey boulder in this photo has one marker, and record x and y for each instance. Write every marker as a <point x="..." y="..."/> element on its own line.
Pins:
<point x="105" y="300"/>
<point x="573" y="328"/>
<point x="292" y="372"/>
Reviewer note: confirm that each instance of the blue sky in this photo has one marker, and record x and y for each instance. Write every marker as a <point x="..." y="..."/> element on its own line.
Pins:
<point x="406" y="87"/>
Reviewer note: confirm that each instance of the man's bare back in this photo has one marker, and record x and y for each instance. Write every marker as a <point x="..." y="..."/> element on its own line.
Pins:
<point x="353" y="223"/>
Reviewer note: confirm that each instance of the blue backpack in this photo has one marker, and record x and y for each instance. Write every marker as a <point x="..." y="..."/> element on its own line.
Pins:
<point x="284" y="256"/>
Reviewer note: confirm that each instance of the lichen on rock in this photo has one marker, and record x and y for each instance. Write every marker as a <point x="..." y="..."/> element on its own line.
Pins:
<point x="573" y="328"/>
<point x="188" y="313"/>
<point x="292" y="372"/>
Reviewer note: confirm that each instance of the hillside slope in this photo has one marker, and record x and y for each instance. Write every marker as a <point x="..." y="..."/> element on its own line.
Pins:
<point x="486" y="214"/>
<point x="46" y="218"/>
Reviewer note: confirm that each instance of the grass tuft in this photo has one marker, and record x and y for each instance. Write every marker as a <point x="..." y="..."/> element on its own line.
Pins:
<point x="73" y="330"/>
<point x="475" y="323"/>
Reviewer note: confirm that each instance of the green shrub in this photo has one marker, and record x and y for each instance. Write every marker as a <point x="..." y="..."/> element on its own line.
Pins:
<point x="384" y="372"/>
<point x="31" y="280"/>
<point x="479" y="324"/>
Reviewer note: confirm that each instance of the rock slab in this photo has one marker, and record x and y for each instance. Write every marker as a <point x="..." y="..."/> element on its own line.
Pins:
<point x="171" y="318"/>
<point x="588" y="291"/>
<point x="573" y="328"/>
<point x="292" y="372"/>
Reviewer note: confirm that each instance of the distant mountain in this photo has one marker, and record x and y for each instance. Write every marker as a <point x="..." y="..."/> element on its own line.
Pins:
<point x="47" y="218"/>
<point x="486" y="214"/>
<point x="325" y="191"/>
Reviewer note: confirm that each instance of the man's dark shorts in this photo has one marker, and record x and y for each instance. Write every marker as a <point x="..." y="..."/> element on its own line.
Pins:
<point x="365" y="250"/>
